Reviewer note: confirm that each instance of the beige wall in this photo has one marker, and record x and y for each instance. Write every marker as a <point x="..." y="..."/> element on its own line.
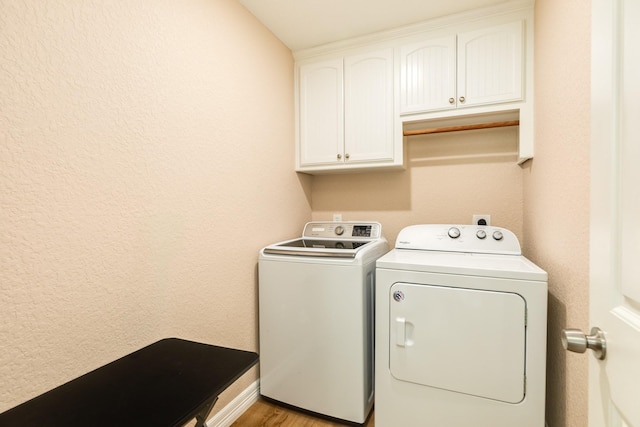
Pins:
<point x="546" y="202"/>
<point x="449" y="177"/>
<point x="146" y="154"/>
<point x="556" y="194"/>
<point x="142" y="144"/>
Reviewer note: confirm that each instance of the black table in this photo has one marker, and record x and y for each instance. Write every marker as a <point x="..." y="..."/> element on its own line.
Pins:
<point x="167" y="383"/>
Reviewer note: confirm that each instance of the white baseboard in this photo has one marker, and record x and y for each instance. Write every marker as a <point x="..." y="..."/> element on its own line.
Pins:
<point x="232" y="411"/>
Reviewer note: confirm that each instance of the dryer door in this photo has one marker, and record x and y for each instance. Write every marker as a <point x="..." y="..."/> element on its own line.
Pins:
<point x="464" y="340"/>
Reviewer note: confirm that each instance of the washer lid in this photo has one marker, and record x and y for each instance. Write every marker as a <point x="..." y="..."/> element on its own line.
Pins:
<point x="331" y="240"/>
<point x="317" y="248"/>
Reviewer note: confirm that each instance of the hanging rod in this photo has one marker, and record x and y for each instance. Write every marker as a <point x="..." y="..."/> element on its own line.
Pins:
<point x="462" y="127"/>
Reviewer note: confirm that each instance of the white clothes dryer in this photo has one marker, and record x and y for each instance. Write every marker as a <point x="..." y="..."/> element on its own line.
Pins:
<point x="461" y="323"/>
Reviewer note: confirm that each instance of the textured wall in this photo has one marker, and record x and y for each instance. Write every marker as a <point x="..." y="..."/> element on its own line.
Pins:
<point x="449" y="177"/>
<point x="146" y="154"/>
<point x="546" y="202"/>
<point x="556" y="194"/>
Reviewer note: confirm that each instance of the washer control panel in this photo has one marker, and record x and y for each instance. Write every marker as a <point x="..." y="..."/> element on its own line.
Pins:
<point x="459" y="238"/>
<point x="352" y="230"/>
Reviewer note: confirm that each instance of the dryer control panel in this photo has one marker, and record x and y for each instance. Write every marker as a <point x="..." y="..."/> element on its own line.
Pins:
<point x="459" y="238"/>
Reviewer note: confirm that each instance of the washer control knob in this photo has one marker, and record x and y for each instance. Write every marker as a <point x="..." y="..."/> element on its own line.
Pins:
<point x="481" y="234"/>
<point x="454" y="232"/>
<point x="497" y="235"/>
<point x="339" y="230"/>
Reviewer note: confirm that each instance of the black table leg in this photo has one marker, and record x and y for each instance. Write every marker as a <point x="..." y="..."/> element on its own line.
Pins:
<point x="201" y="417"/>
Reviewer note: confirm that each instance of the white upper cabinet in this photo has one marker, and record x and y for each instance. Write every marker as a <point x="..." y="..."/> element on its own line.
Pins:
<point x="368" y="125"/>
<point x="490" y="65"/>
<point x="355" y="97"/>
<point x="462" y="70"/>
<point x="321" y="112"/>
<point x="346" y="112"/>
<point x="428" y="75"/>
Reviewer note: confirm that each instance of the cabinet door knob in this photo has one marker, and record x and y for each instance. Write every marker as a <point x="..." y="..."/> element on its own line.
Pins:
<point x="462" y="99"/>
<point x="346" y="156"/>
<point x="339" y="156"/>
<point x="451" y="100"/>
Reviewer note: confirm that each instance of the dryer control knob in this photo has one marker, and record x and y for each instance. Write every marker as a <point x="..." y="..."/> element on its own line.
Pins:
<point x="339" y="230"/>
<point x="454" y="232"/>
<point x="497" y="235"/>
<point x="481" y="234"/>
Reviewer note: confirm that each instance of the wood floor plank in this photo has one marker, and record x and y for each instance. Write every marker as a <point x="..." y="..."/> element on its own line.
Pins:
<point x="267" y="414"/>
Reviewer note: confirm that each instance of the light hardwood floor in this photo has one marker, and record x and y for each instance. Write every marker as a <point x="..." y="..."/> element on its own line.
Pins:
<point x="266" y="414"/>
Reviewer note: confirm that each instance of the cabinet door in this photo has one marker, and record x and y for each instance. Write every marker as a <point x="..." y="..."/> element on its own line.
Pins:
<point x="490" y="65"/>
<point x="321" y="117"/>
<point x="369" y="114"/>
<point x="428" y="75"/>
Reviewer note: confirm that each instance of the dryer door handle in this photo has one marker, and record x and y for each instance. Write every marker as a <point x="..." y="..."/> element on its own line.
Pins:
<point x="401" y="331"/>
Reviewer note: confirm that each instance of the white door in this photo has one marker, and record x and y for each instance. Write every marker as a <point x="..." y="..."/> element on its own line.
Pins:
<point x="614" y="383"/>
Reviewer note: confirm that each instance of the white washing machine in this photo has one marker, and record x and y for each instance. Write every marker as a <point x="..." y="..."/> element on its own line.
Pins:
<point x="461" y="323"/>
<point x="316" y="319"/>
